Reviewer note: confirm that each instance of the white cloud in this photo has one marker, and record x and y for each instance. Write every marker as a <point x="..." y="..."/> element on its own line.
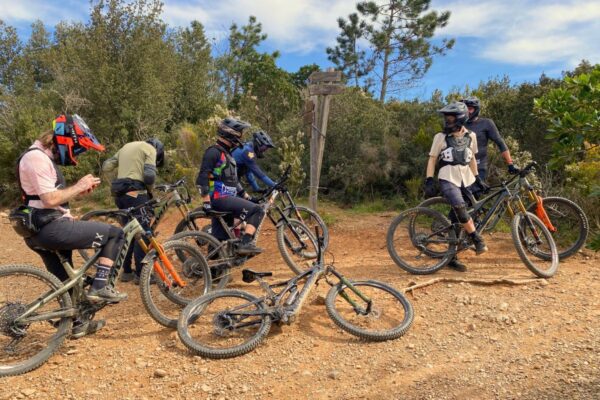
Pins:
<point x="528" y="32"/>
<point x="50" y="12"/>
<point x="292" y="26"/>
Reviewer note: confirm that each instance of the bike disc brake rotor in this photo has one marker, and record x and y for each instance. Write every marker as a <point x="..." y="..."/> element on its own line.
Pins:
<point x="222" y="324"/>
<point x="8" y="314"/>
<point x="190" y="268"/>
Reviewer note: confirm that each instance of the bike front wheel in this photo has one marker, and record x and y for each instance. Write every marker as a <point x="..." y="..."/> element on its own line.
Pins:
<point x="163" y="297"/>
<point x="310" y="218"/>
<point x="28" y="344"/>
<point x="370" y="310"/>
<point x="532" y="238"/>
<point x="421" y="240"/>
<point x="224" y="324"/>
<point x="297" y="245"/>
<point x="567" y="223"/>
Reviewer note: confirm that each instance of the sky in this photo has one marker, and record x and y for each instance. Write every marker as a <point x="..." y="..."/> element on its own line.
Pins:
<point x="518" y="38"/>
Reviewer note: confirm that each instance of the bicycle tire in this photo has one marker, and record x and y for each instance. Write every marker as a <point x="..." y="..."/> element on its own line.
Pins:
<point x="177" y="298"/>
<point x="566" y="248"/>
<point x="196" y="308"/>
<point x="314" y="215"/>
<point x="105" y="216"/>
<point x="62" y="329"/>
<point x="517" y="233"/>
<point x="443" y="257"/>
<point x="206" y="243"/>
<point x="285" y="244"/>
<point x="374" y="335"/>
<point x="184" y="224"/>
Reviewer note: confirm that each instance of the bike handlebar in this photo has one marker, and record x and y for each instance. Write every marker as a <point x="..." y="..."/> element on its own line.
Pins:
<point x="278" y="185"/>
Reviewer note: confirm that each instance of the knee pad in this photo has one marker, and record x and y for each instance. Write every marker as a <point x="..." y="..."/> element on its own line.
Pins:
<point x="461" y="213"/>
<point x="255" y="215"/>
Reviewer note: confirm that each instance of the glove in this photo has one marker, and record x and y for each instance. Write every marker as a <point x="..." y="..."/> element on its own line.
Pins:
<point x="513" y="170"/>
<point x="429" y="188"/>
<point x="207" y="207"/>
<point x="482" y="185"/>
<point x="253" y="199"/>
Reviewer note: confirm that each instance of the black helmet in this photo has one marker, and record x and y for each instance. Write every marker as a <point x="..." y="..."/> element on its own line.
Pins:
<point x="261" y="141"/>
<point x="472" y="101"/>
<point x="232" y="129"/>
<point x="160" y="151"/>
<point x="459" y="110"/>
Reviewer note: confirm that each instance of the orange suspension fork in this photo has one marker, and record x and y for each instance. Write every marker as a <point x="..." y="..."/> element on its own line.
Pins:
<point x="542" y="214"/>
<point x="166" y="262"/>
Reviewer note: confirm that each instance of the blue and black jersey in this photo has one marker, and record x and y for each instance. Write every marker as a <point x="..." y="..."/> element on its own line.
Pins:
<point x="485" y="129"/>
<point x="247" y="166"/>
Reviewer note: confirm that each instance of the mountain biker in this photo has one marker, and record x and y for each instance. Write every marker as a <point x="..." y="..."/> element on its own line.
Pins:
<point x="220" y="189"/>
<point x="136" y="164"/>
<point x="485" y="129"/>
<point x="246" y="156"/>
<point x="454" y="151"/>
<point x="44" y="189"/>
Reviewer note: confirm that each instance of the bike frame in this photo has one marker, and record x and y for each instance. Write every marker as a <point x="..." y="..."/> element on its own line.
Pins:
<point x="132" y="230"/>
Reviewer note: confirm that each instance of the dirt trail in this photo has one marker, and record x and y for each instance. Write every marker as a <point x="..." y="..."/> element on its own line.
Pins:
<point x="535" y="341"/>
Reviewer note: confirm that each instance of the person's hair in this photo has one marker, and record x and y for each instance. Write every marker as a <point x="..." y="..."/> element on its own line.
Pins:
<point x="47" y="138"/>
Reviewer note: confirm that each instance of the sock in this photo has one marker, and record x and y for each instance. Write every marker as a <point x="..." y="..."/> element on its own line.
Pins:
<point x="246" y="238"/>
<point x="102" y="272"/>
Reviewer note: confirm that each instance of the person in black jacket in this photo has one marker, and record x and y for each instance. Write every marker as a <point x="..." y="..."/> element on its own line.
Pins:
<point x="220" y="188"/>
<point x="486" y="130"/>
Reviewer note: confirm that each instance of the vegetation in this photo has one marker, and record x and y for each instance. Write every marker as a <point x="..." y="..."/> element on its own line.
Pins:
<point x="131" y="76"/>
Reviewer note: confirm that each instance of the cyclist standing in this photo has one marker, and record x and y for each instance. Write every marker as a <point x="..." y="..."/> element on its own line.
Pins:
<point x="44" y="189"/>
<point x="136" y="164"/>
<point x="486" y="130"/>
<point x="454" y="151"/>
<point x="221" y="190"/>
<point x="246" y="156"/>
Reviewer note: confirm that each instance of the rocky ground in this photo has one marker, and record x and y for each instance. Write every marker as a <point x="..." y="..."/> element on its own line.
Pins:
<point x="535" y="341"/>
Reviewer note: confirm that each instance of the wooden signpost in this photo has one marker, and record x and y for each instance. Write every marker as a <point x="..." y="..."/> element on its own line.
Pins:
<point x="322" y="85"/>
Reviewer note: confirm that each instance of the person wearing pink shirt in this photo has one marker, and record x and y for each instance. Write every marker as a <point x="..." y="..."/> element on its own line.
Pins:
<point x="43" y="188"/>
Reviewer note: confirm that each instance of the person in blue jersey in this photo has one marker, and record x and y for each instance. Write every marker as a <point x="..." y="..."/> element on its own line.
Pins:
<point x="246" y="156"/>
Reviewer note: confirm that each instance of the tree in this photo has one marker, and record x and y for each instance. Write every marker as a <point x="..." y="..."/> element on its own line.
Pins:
<point x="241" y="52"/>
<point x="10" y="49"/>
<point x="300" y="77"/>
<point x="400" y="35"/>
<point x="347" y="56"/>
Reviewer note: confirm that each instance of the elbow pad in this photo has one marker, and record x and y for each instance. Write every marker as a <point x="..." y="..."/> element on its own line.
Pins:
<point x="149" y="174"/>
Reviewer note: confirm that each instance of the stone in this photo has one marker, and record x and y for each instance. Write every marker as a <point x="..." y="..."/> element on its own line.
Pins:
<point x="333" y="374"/>
<point x="160" y="373"/>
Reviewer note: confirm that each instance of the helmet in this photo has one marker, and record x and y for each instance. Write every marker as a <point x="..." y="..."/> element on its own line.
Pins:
<point x="459" y="111"/>
<point x="261" y="142"/>
<point x="160" y="151"/>
<point x="472" y="101"/>
<point x="72" y="137"/>
<point x="231" y="129"/>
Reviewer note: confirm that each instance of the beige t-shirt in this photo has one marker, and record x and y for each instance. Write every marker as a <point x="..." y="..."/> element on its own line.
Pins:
<point x="457" y="174"/>
<point x="130" y="160"/>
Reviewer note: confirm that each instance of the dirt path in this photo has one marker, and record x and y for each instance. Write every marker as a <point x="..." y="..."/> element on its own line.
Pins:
<point x="537" y="341"/>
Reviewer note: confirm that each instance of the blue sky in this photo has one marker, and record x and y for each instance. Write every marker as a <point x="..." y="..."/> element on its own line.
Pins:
<point x="518" y="38"/>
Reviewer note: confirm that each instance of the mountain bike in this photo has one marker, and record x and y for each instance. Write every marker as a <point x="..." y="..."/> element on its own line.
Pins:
<point x="295" y="240"/>
<point x="422" y="240"/>
<point x="175" y="194"/>
<point x="228" y="323"/>
<point x="37" y="311"/>
<point x="564" y="218"/>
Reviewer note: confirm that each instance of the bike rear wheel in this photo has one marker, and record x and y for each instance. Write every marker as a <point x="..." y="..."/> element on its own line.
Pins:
<point x="389" y="315"/>
<point x="165" y="301"/>
<point x="26" y="346"/>
<point x="297" y="245"/>
<point x="310" y="218"/>
<point x="532" y="238"/>
<point x="570" y="223"/>
<point x="421" y="240"/>
<point x="213" y="251"/>
<point x="224" y="324"/>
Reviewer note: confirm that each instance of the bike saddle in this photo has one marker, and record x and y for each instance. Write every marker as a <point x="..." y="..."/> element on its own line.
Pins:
<point x="249" y="276"/>
<point x="213" y="213"/>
